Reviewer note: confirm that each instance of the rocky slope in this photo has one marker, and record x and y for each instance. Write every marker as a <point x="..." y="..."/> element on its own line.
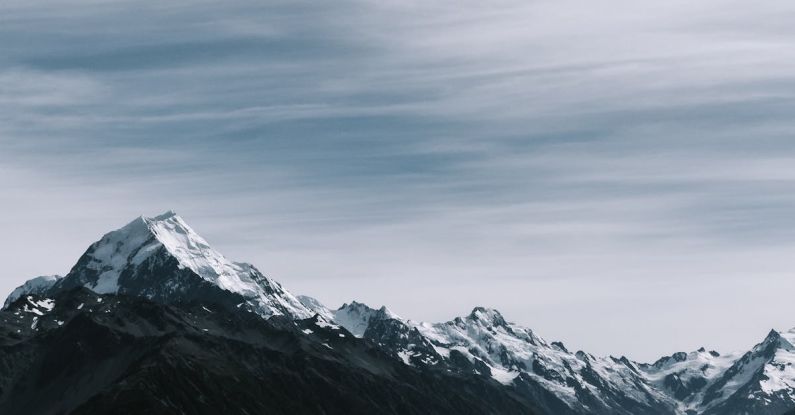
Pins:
<point x="154" y="317"/>
<point x="86" y="353"/>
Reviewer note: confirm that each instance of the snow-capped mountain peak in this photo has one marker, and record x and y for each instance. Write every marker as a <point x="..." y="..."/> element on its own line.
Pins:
<point x="162" y="258"/>
<point x="487" y="316"/>
<point x="760" y="381"/>
<point x="779" y="373"/>
<point x="141" y="238"/>
<point x="356" y="317"/>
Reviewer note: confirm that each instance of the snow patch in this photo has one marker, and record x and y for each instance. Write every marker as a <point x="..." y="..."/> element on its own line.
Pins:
<point x="325" y="324"/>
<point x="38" y="286"/>
<point x="503" y="376"/>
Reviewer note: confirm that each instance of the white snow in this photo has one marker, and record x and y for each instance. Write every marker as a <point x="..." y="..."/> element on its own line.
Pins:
<point x="503" y="376"/>
<point x="47" y="304"/>
<point x="38" y="307"/>
<point x="404" y="356"/>
<point x="113" y="252"/>
<point x="356" y="317"/>
<point x="193" y="252"/>
<point x="697" y="364"/>
<point x="36" y="285"/>
<point x="325" y="324"/>
<point x="780" y="372"/>
<point x="307" y="331"/>
<point x="316" y="307"/>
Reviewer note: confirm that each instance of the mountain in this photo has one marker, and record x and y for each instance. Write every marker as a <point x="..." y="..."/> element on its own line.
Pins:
<point x="484" y="344"/>
<point x="356" y="317"/>
<point x="153" y="319"/>
<point x="85" y="353"/>
<point x="38" y="285"/>
<point x="161" y="258"/>
<point x="686" y="376"/>
<point x="762" y="381"/>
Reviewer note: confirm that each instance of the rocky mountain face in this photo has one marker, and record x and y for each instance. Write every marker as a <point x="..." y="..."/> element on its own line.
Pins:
<point x="80" y="352"/>
<point x="762" y="381"/>
<point x="154" y="319"/>
<point x="483" y="343"/>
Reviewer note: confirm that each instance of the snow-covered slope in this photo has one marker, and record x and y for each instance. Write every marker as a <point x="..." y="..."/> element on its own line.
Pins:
<point x="316" y="307"/>
<point x="761" y="382"/>
<point x="516" y="355"/>
<point x="36" y="285"/>
<point x="356" y="317"/>
<point x="164" y="259"/>
<point x="686" y="376"/>
<point x="484" y="343"/>
<point x="779" y="372"/>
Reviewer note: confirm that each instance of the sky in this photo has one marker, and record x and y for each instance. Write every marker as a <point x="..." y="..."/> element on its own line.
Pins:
<point x="618" y="175"/>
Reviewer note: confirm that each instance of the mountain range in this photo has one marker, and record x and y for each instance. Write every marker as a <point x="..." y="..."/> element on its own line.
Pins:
<point x="152" y="319"/>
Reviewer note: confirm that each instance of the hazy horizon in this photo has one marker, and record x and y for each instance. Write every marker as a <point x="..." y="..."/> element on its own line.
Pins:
<point x="617" y="176"/>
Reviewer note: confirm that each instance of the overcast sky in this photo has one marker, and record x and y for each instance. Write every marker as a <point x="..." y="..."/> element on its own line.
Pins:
<point x="618" y="175"/>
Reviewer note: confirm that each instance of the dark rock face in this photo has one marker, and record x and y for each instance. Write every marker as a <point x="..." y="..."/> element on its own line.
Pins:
<point x="683" y="389"/>
<point x="402" y="342"/>
<point x="92" y="354"/>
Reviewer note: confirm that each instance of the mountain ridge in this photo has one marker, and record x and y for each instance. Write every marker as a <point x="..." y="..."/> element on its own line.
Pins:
<point x="163" y="260"/>
<point x="86" y="353"/>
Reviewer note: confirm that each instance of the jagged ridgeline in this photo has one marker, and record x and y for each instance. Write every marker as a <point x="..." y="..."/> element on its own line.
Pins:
<point x="151" y="319"/>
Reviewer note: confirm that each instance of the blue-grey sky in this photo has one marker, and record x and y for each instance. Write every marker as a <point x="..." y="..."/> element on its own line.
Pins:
<point x="619" y="175"/>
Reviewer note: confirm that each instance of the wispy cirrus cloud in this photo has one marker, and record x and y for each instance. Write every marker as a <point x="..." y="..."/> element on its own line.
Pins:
<point x="538" y="157"/>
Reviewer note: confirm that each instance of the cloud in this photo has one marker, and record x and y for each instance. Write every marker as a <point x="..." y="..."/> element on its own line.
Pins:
<point x="537" y="157"/>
